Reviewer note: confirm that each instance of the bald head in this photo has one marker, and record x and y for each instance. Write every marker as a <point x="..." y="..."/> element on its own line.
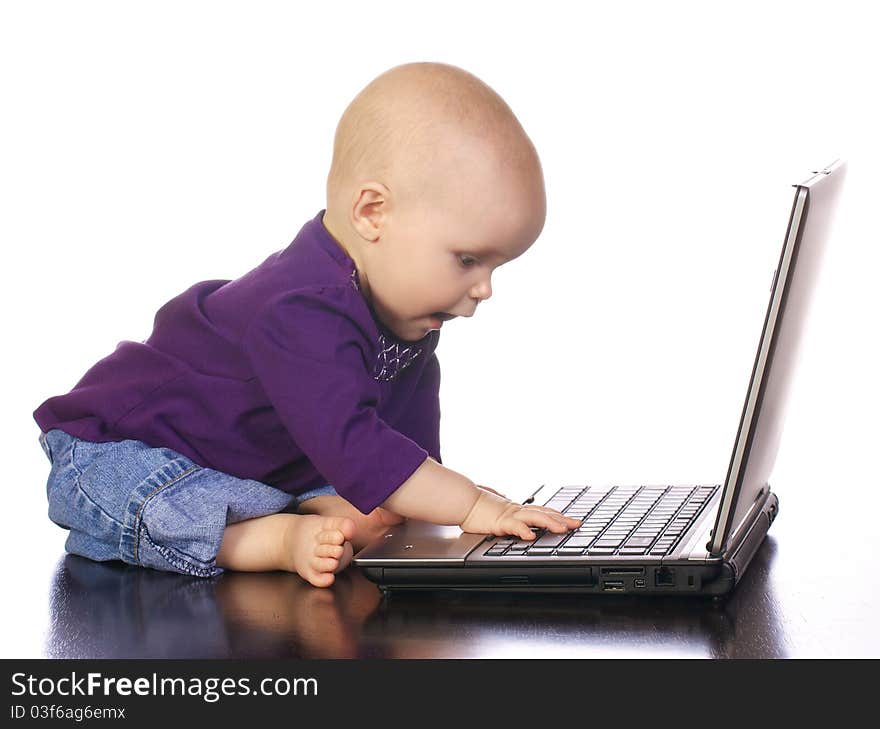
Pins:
<point x="414" y="126"/>
<point x="433" y="185"/>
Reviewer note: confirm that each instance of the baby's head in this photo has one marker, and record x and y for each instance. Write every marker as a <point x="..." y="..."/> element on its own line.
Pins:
<point x="433" y="185"/>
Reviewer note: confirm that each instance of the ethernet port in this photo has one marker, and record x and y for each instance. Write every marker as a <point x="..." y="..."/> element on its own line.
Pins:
<point x="664" y="577"/>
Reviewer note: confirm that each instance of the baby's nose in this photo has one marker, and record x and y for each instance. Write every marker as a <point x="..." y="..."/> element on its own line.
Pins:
<point x="482" y="292"/>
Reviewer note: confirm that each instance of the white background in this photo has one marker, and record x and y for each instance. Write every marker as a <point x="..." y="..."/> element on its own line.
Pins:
<point x="147" y="146"/>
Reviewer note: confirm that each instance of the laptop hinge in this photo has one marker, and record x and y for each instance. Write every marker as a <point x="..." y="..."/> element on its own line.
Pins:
<point x="733" y="542"/>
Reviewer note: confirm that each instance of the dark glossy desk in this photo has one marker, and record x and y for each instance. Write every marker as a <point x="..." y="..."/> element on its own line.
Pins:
<point x="796" y="599"/>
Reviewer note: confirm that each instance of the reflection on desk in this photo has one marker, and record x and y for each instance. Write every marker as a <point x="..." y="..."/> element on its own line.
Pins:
<point x="112" y="610"/>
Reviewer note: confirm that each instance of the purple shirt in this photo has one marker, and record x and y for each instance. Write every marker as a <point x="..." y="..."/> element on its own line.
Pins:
<point x="284" y="375"/>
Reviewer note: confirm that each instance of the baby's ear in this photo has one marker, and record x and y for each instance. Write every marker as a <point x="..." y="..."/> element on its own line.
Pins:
<point x="370" y="209"/>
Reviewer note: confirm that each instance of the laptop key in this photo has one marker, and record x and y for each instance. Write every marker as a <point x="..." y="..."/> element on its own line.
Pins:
<point x="557" y="504"/>
<point x="549" y="540"/>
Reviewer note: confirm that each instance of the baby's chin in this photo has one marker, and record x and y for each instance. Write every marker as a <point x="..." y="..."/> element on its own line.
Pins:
<point x="413" y="331"/>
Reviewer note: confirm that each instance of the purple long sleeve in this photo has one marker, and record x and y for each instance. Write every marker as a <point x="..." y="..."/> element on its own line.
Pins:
<point x="283" y="375"/>
<point x="330" y="407"/>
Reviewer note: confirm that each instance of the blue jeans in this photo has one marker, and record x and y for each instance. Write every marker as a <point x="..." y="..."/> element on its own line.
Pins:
<point x="151" y="507"/>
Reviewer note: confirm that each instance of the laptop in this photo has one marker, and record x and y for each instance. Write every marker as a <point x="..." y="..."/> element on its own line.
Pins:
<point x="694" y="539"/>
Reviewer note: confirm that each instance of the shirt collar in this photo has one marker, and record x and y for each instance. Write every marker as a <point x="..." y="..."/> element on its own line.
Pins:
<point x="333" y="247"/>
<point x="337" y="252"/>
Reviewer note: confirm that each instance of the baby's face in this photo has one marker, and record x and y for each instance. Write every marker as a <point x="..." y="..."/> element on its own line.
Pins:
<point x="437" y="254"/>
<point x="436" y="260"/>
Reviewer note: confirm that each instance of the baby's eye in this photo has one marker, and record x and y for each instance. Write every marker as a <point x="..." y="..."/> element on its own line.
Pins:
<point x="467" y="261"/>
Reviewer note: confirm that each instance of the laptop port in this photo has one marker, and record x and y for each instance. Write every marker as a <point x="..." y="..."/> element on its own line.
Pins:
<point x="612" y="585"/>
<point x="664" y="577"/>
<point x="639" y="582"/>
<point x="623" y="570"/>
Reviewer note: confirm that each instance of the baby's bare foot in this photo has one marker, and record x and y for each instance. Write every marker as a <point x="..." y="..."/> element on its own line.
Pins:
<point x="368" y="527"/>
<point x="317" y="547"/>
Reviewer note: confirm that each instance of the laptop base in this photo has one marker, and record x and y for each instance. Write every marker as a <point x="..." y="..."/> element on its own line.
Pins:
<point x="712" y="576"/>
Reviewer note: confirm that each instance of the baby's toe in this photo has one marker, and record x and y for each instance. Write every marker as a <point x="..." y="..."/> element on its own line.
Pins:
<point x="339" y="524"/>
<point x="324" y="564"/>
<point x="334" y="551"/>
<point x="319" y="579"/>
<point x="332" y="563"/>
<point x="331" y="552"/>
<point x="330" y="537"/>
<point x="345" y="559"/>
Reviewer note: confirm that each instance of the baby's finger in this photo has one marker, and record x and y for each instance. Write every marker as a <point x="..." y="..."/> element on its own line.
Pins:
<point x="533" y="517"/>
<point x="566" y="522"/>
<point x="516" y="527"/>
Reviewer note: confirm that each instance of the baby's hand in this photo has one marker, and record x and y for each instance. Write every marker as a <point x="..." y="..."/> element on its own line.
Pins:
<point x="493" y="514"/>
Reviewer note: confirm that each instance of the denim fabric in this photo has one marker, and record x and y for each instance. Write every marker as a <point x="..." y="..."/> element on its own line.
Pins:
<point x="151" y="507"/>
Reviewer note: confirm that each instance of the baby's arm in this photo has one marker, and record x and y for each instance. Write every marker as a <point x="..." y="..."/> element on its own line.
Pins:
<point x="439" y="495"/>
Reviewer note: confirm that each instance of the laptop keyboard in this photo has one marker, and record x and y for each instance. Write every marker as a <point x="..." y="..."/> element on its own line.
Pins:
<point x="618" y="520"/>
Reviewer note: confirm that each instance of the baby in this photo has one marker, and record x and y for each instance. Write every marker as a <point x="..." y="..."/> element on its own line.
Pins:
<point x="286" y="418"/>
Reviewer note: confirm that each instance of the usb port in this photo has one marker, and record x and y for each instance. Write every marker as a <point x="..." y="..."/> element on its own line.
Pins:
<point x="612" y="585"/>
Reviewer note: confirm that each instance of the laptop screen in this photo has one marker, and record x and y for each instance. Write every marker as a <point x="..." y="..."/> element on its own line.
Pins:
<point x="762" y="420"/>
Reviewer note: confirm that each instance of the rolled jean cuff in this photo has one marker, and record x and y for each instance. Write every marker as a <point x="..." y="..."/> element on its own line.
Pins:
<point x="175" y="518"/>
<point x="150" y="506"/>
<point x="143" y="545"/>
